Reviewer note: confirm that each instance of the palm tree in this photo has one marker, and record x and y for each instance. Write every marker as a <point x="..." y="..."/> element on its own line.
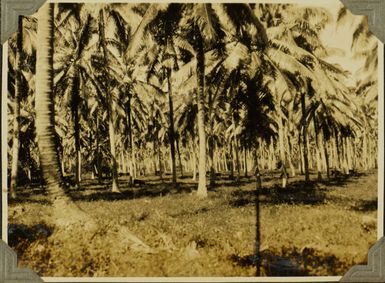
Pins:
<point x="306" y="78"/>
<point x="16" y="125"/>
<point x="204" y="26"/>
<point x="68" y="67"/>
<point x="111" y="104"/>
<point x="128" y="56"/>
<point x="163" y="66"/>
<point x="23" y="57"/>
<point x="65" y="211"/>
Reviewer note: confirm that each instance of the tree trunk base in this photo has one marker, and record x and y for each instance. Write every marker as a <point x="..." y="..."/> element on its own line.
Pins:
<point x="202" y="193"/>
<point x="12" y="194"/>
<point x="67" y="215"/>
<point x="284" y="183"/>
<point x="116" y="190"/>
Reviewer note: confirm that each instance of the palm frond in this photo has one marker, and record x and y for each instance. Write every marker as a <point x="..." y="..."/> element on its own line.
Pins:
<point x="138" y="35"/>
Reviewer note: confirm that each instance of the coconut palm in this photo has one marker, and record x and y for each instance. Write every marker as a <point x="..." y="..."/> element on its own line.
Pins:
<point x="306" y="75"/>
<point x="24" y="54"/>
<point x="65" y="211"/>
<point x="67" y="65"/>
<point x="201" y="26"/>
<point x="164" y="63"/>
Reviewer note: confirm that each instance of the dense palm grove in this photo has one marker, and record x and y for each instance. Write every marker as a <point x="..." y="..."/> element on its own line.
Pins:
<point x="105" y="90"/>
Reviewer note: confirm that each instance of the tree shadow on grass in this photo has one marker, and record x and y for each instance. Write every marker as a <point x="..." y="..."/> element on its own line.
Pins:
<point x="21" y="236"/>
<point x="342" y="179"/>
<point x="23" y="200"/>
<point x="145" y="190"/>
<point x="296" y="193"/>
<point x="294" y="263"/>
<point x="366" y="206"/>
<point x="34" y="193"/>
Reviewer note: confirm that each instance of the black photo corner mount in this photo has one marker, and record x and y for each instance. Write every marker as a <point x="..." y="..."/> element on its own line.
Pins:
<point x="374" y="271"/>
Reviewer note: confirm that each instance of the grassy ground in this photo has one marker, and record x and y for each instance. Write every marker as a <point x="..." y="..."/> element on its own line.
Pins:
<point x="318" y="229"/>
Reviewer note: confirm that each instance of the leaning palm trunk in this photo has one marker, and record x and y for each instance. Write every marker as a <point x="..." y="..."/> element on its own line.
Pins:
<point x="65" y="212"/>
<point x="16" y="124"/>
<point x="202" y="187"/>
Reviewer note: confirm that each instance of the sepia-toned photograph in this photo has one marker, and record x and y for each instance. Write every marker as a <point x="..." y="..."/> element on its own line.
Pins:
<point x="192" y="140"/>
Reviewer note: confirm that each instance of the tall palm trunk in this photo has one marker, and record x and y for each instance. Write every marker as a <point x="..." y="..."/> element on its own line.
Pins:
<point x="304" y="137"/>
<point x="336" y="152"/>
<point x="131" y="141"/>
<point x="211" y="161"/>
<point x="16" y="123"/>
<point x="231" y="161"/>
<point x="171" y="133"/>
<point x="154" y="158"/>
<point x="258" y="178"/>
<point x="75" y="114"/>
<point x="282" y="151"/>
<point x="160" y="162"/>
<point x="326" y="154"/>
<point x="236" y="151"/>
<point x="301" y="163"/>
<point x="179" y="157"/>
<point x="111" y="113"/>
<point x="202" y="185"/>
<point x="345" y="154"/>
<point x="271" y="155"/>
<point x="65" y="212"/>
<point x="318" y="143"/>
<point x="211" y="150"/>
<point x="44" y="103"/>
<point x="90" y="145"/>
<point x="194" y="155"/>
<point x="245" y="167"/>
<point x="98" y="154"/>
<point x="114" y="169"/>
<point x="349" y="153"/>
<point x="290" y="150"/>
